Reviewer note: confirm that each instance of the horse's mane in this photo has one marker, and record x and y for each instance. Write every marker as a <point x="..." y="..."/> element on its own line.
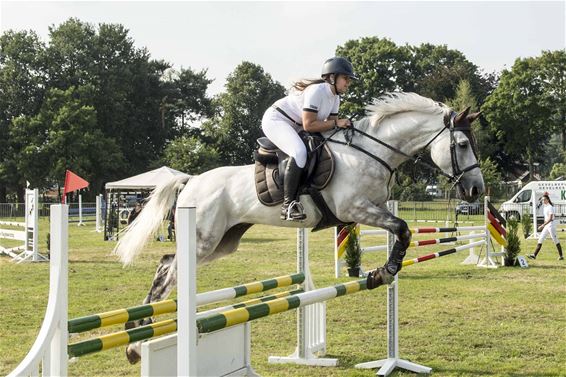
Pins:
<point x="398" y="102"/>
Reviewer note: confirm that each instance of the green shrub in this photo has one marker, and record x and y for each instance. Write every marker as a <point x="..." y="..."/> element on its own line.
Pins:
<point x="527" y="225"/>
<point x="353" y="253"/>
<point x="513" y="243"/>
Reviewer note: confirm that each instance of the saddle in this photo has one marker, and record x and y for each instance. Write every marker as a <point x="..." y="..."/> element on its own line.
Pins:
<point x="270" y="163"/>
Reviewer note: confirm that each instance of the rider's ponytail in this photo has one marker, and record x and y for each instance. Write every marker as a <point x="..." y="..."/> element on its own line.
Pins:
<point x="305" y="83"/>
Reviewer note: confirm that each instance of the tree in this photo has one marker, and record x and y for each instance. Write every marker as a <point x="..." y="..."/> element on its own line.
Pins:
<point x="432" y="71"/>
<point x="518" y="113"/>
<point x="436" y="72"/>
<point x="127" y="87"/>
<point x="482" y="134"/>
<point x="463" y="98"/>
<point x="64" y="135"/>
<point x="185" y="102"/>
<point x="22" y="88"/>
<point x="381" y="67"/>
<point x="491" y="176"/>
<point x="558" y="171"/>
<point x="237" y="124"/>
<point x="189" y="154"/>
<point x="118" y="101"/>
<point x="552" y="70"/>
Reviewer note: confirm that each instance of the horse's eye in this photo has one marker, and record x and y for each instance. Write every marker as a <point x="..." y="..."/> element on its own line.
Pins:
<point x="463" y="144"/>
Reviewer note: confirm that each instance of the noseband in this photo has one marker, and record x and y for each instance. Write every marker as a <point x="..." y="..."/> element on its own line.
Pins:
<point x="449" y="125"/>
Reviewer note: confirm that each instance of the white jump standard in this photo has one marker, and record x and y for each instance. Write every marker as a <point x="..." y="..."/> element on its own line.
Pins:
<point x="29" y="235"/>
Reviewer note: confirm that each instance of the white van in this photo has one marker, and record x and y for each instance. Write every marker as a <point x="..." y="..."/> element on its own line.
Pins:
<point x="433" y="191"/>
<point x="521" y="202"/>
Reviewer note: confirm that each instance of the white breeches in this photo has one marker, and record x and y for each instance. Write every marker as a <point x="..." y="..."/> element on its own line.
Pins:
<point x="549" y="228"/>
<point x="279" y="130"/>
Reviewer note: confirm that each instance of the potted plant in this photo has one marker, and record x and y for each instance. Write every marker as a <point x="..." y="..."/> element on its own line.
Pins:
<point x="513" y="243"/>
<point x="353" y="252"/>
<point x="527" y="225"/>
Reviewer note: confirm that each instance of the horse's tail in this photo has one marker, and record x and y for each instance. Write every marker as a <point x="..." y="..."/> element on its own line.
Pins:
<point x="136" y="235"/>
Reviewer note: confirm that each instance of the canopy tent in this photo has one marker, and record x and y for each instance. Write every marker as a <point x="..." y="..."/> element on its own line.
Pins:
<point x="122" y="195"/>
<point x="145" y="181"/>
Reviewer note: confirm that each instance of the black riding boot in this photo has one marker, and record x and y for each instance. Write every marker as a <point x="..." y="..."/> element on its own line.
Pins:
<point x="534" y="256"/>
<point x="559" y="248"/>
<point x="292" y="208"/>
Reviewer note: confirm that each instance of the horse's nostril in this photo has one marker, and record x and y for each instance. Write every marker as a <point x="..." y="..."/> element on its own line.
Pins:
<point x="475" y="191"/>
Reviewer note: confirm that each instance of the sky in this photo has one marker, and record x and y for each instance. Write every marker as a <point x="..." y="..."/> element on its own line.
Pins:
<point x="291" y="40"/>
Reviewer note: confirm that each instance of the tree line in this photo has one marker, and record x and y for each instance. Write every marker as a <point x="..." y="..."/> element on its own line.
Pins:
<point x="90" y="101"/>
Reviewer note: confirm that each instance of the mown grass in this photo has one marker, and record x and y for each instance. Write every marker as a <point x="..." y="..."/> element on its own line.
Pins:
<point x="458" y="319"/>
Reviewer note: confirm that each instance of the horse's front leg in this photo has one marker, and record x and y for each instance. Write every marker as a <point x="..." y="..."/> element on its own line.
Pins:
<point x="379" y="216"/>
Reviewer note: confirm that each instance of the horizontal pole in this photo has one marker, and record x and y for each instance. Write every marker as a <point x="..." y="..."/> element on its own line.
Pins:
<point x="12" y="223"/>
<point x="374" y="248"/>
<point x="373" y="232"/>
<point x="153" y="330"/>
<point x="447" y="230"/>
<point x="122" y="338"/>
<point x="443" y="253"/>
<point x="446" y="240"/>
<point x="114" y="317"/>
<point x="242" y="315"/>
<point x="248" y="289"/>
<point x="118" y="316"/>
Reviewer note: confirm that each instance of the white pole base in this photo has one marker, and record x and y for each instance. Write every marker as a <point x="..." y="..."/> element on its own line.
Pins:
<point x="386" y="366"/>
<point x="30" y="256"/>
<point x="312" y="361"/>
<point x="488" y="262"/>
<point x="471" y="259"/>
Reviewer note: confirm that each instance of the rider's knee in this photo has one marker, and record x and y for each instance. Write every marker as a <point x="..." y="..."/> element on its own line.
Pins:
<point x="301" y="157"/>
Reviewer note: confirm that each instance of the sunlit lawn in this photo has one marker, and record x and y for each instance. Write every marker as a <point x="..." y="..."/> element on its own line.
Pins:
<point x="458" y="319"/>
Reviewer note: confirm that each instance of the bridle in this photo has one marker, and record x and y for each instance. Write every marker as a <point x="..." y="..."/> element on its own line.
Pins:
<point x="449" y="124"/>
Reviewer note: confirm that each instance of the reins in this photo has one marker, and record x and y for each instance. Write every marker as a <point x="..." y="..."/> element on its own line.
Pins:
<point x="448" y="125"/>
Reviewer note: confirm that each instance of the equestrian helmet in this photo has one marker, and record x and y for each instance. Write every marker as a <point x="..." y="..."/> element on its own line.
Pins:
<point x="338" y="66"/>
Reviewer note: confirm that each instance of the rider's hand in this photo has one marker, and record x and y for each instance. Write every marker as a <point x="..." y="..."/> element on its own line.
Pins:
<point x="343" y="123"/>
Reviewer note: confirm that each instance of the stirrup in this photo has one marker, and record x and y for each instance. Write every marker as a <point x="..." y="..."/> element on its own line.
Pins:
<point x="299" y="213"/>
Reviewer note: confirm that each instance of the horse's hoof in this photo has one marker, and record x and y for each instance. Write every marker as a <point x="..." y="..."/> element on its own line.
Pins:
<point x="378" y="277"/>
<point x="132" y="355"/>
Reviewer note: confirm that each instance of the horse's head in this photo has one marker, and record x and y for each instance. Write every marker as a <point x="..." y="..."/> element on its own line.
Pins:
<point x="454" y="152"/>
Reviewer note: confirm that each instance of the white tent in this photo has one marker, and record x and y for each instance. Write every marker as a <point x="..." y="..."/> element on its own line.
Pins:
<point x="120" y="194"/>
<point x="145" y="181"/>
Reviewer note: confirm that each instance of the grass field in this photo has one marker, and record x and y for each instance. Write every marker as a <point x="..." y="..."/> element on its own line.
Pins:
<point x="460" y="320"/>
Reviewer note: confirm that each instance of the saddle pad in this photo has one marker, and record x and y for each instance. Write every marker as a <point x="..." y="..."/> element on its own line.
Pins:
<point x="270" y="192"/>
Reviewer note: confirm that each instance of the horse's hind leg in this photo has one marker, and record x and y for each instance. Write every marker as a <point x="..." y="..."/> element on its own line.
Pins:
<point x="163" y="282"/>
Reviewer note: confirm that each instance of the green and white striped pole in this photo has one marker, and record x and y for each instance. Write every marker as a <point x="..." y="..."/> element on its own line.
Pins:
<point x="237" y="316"/>
<point x="156" y="329"/>
<point x="114" y="317"/>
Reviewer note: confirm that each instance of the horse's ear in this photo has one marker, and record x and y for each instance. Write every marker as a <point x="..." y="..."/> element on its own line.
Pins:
<point x="460" y="117"/>
<point x="473" y="116"/>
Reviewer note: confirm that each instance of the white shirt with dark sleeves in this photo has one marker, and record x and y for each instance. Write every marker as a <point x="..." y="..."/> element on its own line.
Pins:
<point x="316" y="98"/>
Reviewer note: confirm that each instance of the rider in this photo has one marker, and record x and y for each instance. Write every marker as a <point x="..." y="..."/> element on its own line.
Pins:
<point x="312" y="106"/>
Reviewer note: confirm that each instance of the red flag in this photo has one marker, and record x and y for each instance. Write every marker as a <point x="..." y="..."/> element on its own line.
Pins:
<point x="72" y="183"/>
